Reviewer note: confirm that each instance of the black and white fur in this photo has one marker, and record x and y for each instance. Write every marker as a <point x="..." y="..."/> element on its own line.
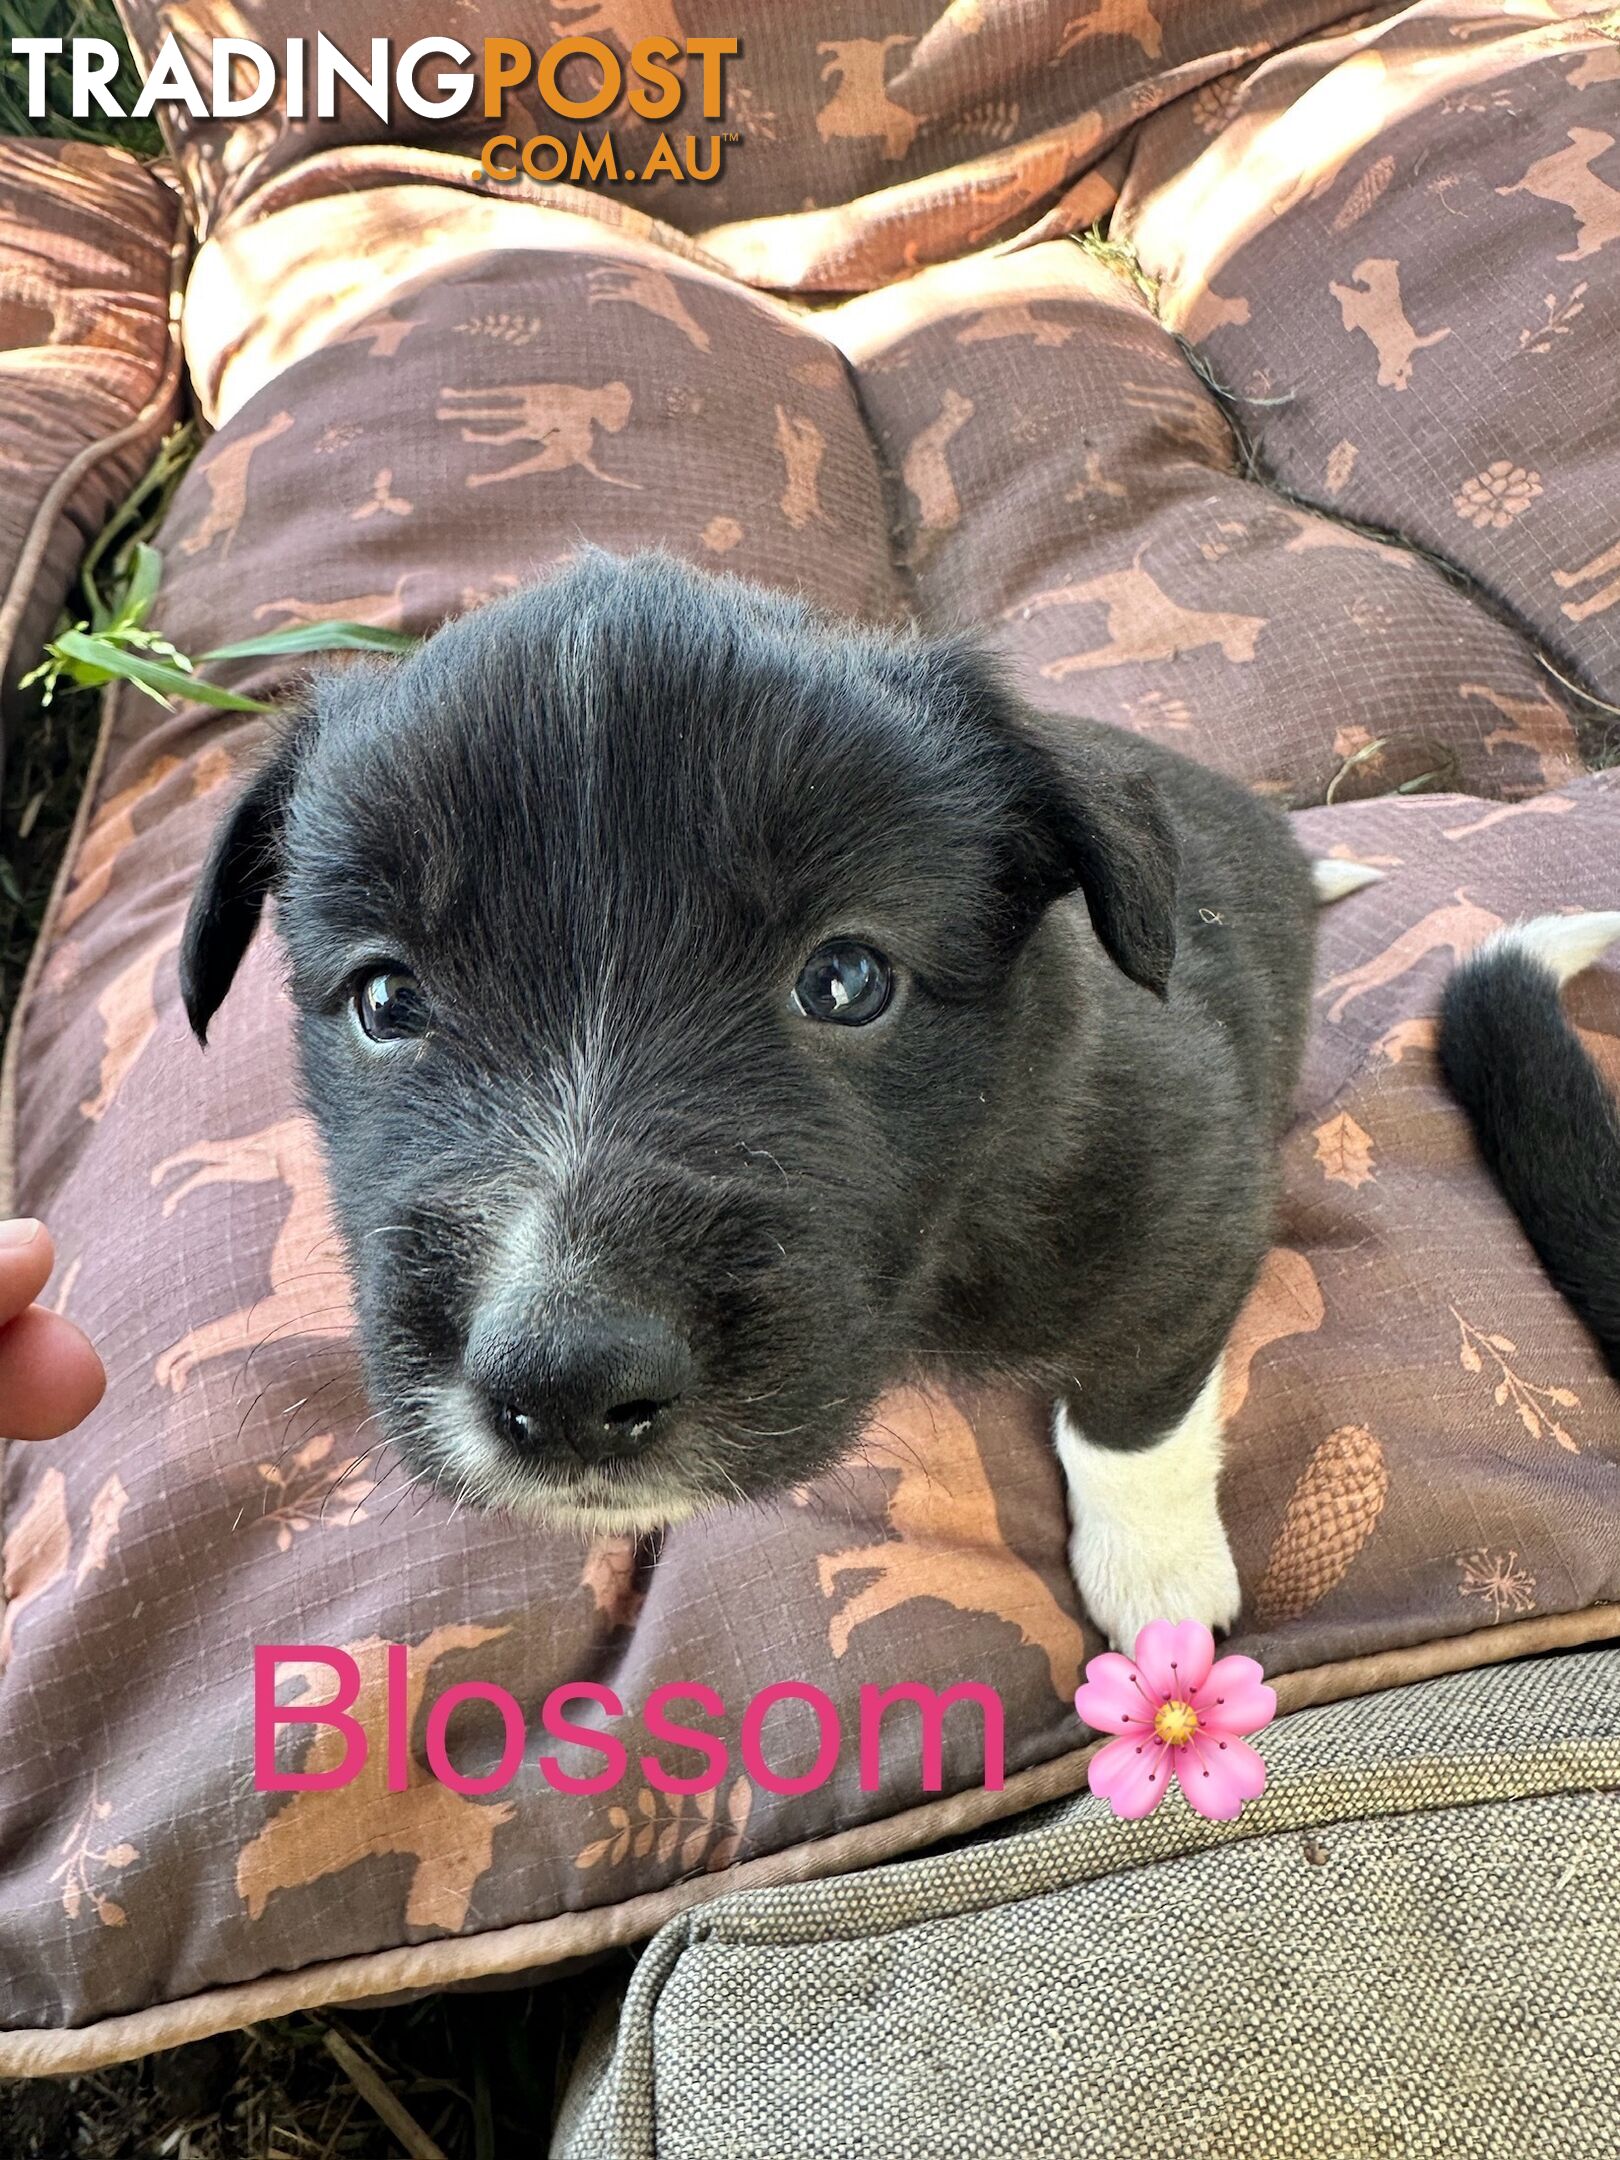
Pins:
<point x="600" y="826"/>
<point x="1546" y="1124"/>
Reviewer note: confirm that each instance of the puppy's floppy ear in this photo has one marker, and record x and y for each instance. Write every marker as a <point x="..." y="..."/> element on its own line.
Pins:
<point x="240" y="869"/>
<point x="1103" y="827"/>
<point x="1086" y="814"/>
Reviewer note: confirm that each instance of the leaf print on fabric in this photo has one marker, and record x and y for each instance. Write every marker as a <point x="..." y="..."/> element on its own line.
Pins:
<point x="1558" y="321"/>
<point x="382" y="501"/>
<point x="1340" y="465"/>
<point x="84" y="1862"/>
<point x="1158" y="709"/>
<point x="1535" y="1407"/>
<point x="1364" y="194"/>
<point x="1345" y="1151"/>
<point x="610" y="1574"/>
<point x="684" y="1831"/>
<point x="313" y="1490"/>
<point x="753" y="120"/>
<point x="502" y="327"/>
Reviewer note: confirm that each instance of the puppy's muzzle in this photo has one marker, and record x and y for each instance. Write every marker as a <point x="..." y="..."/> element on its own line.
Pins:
<point x="589" y="1387"/>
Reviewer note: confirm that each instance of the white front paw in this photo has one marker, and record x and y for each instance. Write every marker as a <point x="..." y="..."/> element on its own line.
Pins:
<point x="1125" y="1581"/>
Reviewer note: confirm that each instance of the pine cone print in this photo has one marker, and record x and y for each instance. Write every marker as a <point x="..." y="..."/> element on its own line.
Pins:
<point x="1364" y="194"/>
<point x="1331" y="1514"/>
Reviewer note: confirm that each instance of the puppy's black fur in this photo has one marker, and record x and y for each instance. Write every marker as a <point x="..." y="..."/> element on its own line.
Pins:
<point x="602" y="825"/>
<point x="1545" y="1122"/>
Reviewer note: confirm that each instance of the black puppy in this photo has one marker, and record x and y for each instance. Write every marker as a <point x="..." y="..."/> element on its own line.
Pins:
<point x="715" y="1015"/>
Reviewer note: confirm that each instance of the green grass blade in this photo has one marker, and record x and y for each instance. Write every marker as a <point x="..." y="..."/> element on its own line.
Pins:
<point x="106" y="659"/>
<point x="68" y="19"/>
<point x="145" y="576"/>
<point x="317" y="637"/>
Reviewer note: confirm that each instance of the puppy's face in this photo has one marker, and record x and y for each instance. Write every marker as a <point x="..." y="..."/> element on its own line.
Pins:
<point x="656" y="950"/>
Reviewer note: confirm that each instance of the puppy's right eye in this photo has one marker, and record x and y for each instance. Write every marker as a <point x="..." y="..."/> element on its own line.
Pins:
<point x="846" y="983"/>
<point x="389" y="1006"/>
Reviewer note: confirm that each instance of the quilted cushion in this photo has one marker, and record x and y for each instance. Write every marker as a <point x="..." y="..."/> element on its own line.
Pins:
<point x="1424" y="214"/>
<point x="89" y="366"/>
<point x="1065" y="477"/>
<point x="861" y="149"/>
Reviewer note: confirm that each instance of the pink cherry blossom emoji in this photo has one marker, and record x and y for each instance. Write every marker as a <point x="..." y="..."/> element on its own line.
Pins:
<point x="1179" y="1715"/>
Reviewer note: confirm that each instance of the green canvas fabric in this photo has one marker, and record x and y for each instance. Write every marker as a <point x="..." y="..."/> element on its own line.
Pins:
<point x="1407" y="1949"/>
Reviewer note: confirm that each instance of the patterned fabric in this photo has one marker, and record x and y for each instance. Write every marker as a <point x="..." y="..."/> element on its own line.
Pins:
<point x="1066" y="478"/>
<point x="862" y="150"/>
<point x="89" y="370"/>
<point x="1374" y="1966"/>
<point x="1425" y="213"/>
<point x="425" y="395"/>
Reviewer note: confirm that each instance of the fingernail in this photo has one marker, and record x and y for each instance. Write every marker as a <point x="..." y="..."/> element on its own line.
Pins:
<point x="22" y="1230"/>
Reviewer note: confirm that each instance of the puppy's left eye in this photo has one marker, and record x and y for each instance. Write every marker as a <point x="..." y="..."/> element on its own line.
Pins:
<point x="389" y="1006"/>
<point x="846" y="983"/>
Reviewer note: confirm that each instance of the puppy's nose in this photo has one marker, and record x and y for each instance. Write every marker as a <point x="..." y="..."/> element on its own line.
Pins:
<point x="597" y="1386"/>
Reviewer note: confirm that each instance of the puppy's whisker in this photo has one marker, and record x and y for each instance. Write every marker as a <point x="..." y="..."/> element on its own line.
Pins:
<point x="257" y="1398"/>
<point x="293" y="1327"/>
<point x="342" y="1477"/>
<point x="900" y="1441"/>
<point x="334" y="1273"/>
